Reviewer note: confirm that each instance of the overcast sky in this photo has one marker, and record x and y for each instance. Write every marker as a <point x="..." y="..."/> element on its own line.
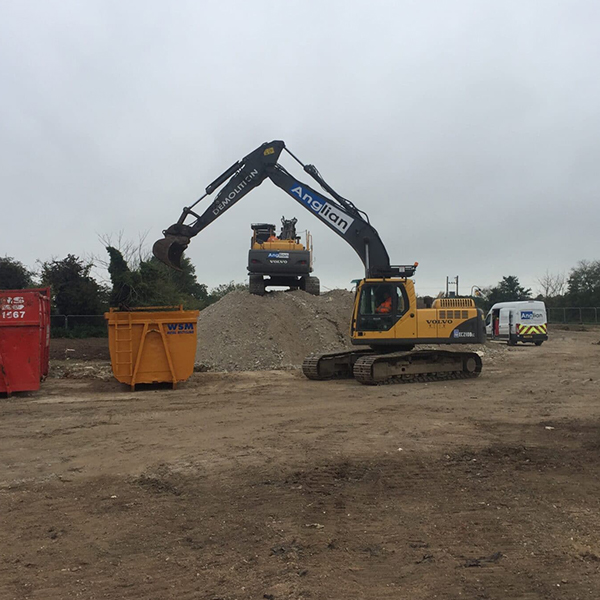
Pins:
<point x="467" y="130"/>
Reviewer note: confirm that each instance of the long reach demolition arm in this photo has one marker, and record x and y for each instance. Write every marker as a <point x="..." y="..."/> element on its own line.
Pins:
<point x="337" y="213"/>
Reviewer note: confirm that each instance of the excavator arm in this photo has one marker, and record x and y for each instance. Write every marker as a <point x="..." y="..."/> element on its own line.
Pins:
<point x="339" y="214"/>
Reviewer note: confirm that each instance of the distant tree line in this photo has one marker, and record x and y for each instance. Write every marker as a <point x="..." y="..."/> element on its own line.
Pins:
<point x="581" y="288"/>
<point x="137" y="280"/>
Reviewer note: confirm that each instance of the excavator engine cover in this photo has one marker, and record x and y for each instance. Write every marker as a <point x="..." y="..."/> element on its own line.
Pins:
<point x="169" y="250"/>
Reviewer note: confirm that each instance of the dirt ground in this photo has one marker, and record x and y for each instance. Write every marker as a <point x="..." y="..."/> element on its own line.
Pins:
<point x="264" y="485"/>
<point x="79" y="350"/>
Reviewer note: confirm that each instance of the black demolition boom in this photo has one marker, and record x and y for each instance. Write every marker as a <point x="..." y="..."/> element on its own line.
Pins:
<point x="337" y="213"/>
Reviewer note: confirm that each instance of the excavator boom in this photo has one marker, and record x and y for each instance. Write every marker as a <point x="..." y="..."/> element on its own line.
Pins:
<point x="339" y="214"/>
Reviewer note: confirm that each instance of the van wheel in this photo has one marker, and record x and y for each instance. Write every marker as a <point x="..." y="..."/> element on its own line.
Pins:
<point x="511" y="341"/>
<point x="539" y="342"/>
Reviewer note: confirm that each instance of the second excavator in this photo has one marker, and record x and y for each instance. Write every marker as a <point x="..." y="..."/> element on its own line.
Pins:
<point x="280" y="260"/>
<point x="386" y="323"/>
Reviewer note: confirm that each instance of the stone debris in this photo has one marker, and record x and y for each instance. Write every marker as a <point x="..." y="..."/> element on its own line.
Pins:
<point x="80" y="369"/>
<point x="243" y="332"/>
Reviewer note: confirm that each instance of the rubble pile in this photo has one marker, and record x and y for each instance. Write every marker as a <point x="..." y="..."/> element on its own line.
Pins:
<point x="243" y="332"/>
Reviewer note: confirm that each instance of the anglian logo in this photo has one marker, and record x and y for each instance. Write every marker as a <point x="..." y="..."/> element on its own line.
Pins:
<point x="328" y="213"/>
<point x="529" y="314"/>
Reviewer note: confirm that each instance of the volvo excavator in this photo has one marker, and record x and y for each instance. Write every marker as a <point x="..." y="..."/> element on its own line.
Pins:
<point x="386" y="324"/>
<point x="280" y="260"/>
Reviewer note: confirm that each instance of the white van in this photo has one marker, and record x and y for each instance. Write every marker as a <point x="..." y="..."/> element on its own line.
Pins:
<point x="523" y="321"/>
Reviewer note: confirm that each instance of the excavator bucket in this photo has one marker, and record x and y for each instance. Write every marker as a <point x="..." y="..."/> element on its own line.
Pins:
<point x="170" y="249"/>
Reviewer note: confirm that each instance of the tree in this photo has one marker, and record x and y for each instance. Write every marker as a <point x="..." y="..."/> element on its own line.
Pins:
<point x="124" y="282"/>
<point x="508" y="289"/>
<point x="186" y="280"/>
<point x="133" y="253"/>
<point x="584" y="284"/>
<point x="74" y="290"/>
<point x="222" y="290"/>
<point x="150" y="283"/>
<point x="14" y="275"/>
<point x="552" y="285"/>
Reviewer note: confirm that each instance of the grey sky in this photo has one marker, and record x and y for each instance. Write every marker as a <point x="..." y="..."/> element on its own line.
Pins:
<point x="467" y="130"/>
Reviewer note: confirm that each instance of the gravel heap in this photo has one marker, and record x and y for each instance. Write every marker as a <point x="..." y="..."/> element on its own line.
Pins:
<point x="243" y="332"/>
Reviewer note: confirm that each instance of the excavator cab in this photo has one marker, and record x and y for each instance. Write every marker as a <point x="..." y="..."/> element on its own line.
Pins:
<point x="262" y="232"/>
<point x="380" y="306"/>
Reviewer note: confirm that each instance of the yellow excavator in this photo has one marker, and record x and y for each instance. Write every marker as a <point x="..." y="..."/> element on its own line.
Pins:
<point x="280" y="260"/>
<point x="386" y="324"/>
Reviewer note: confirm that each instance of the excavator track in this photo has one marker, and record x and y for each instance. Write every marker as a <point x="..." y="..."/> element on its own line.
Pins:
<point x="374" y="368"/>
<point x="336" y="365"/>
<point x="419" y="366"/>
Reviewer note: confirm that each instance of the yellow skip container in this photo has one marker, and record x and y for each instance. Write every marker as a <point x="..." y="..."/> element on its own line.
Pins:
<point x="152" y="345"/>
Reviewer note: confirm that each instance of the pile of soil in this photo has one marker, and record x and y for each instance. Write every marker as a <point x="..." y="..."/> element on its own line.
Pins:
<point x="243" y="332"/>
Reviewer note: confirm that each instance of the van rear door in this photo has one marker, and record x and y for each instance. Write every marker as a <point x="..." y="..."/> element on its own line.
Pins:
<point x="532" y="316"/>
<point x="505" y="319"/>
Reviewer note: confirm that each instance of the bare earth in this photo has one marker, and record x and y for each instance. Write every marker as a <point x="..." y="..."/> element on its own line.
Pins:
<point x="264" y="485"/>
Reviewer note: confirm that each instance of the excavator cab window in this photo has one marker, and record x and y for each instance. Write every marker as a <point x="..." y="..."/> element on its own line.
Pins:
<point x="262" y="231"/>
<point x="380" y="306"/>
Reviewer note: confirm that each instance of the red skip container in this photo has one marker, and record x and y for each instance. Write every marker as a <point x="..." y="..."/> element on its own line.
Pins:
<point x="24" y="339"/>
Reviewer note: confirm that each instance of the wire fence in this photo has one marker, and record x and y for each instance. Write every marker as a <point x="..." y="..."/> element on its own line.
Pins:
<point x="95" y="325"/>
<point x="78" y="326"/>
<point x="73" y="321"/>
<point x="573" y="314"/>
